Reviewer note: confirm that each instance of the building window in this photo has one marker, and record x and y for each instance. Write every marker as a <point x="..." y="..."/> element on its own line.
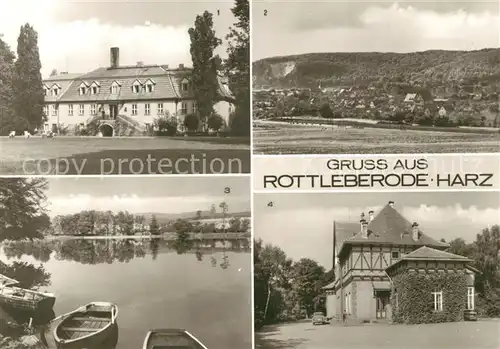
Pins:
<point x="395" y="254"/>
<point x="55" y="91"/>
<point x="45" y="91"/>
<point x="82" y="90"/>
<point x="82" y="110"/>
<point x="147" y="110"/>
<point x="470" y="298"/>
<point x="70" y="110"/>
<point x="46" y="110"/>
<point x="185" y="86"/>
<point x="184" y="108"/>
<point x="149" y="88"/>
<point x="54" y="110"/>
<point x="114" y="89"/>
<point x="160" y="109"/>
<point x="136" y="87"/>
<point x="94" y="90"/>
<point x="93" y="109"/>
<point x="438" y="300"/>
<point x="134" y="109"/>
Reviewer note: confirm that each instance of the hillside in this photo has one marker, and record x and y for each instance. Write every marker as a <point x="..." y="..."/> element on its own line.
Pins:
<point x="432" y="68"/>
<point x="164" y="218"/>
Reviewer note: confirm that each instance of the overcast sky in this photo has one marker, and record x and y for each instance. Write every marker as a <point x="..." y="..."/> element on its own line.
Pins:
<point x="142" y="194"/>
<point x="302" y="224"/>
<point x="75" y="36"/>
<point x="303" y="26"/>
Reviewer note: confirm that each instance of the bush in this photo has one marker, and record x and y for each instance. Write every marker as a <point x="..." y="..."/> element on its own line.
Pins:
<point x="191" y="122"/>
<point x="325" y="111"/>
<point x="215" y="122"/>
<point x="165" y="126"/>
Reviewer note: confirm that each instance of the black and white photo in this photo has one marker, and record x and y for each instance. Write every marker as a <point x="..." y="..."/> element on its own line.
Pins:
<point x="125" y="262"/>
<point x="376" y="270"/>
<point x="375" y="77"/>
<point x="124" y="87"/>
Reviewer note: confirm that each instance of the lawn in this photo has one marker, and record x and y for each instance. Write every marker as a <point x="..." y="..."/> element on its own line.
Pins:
<point x="284" y="138"/>
<point x="154" y="155"/>
<point x="482" y="334"/>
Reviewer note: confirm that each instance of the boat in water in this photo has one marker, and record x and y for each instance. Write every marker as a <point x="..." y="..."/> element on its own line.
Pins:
<point x="26" y="300"/>
<point x="171" y="339"/>
<point x="85" y="327"/>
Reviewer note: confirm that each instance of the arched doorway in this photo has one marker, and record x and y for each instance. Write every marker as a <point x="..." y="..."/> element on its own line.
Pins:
<point x="106" y="130"/>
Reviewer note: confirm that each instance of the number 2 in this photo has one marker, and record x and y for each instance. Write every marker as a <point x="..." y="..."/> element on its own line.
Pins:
<point x="265" y="12"/>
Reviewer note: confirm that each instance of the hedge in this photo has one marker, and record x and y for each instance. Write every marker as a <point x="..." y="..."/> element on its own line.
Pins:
<point x="416" y="302"/>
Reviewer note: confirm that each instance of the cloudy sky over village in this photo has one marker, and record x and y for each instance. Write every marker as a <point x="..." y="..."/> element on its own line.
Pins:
<point x="303" y="26"/>
<point x="75" y="36"/>
<point x="302" y="224"/>
<point x="147" y="194"/>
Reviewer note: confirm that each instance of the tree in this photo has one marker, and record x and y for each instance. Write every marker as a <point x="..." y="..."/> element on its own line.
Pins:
<point x="198" y="214"/>
<point x="86" y="223"/>
<point x="53" y="72"/>
<point x="204" y="76"/>
<point x="238" y="67"/>
<point x="271" y="274"/>
<point x="191" y="122"/>
<point x="22" y="208"/>
<point x="28" y="88"/>
<point x="154" y="227"/>
<point x="306" y="274"/>
<point x="215" y="122"/>
<point x="7" y="72"/>
<point x="325" y="111"/>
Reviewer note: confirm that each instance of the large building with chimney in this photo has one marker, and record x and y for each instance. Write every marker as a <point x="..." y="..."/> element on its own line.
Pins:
<point x="388" y="269"/>
<point x="132" y="95"/>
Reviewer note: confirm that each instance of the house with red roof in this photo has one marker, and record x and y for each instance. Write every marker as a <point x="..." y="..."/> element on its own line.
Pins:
<point x="387" y="268"/>
<point x="133" y="95"/>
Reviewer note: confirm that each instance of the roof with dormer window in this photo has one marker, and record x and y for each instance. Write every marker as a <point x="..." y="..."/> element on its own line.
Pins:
<point x="389" y="227"/>
<point x="167" y="84"/>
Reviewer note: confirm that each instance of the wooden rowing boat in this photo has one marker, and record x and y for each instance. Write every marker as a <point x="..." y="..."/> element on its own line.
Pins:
<point x="87" y="326"/>
<point x="171" y="339"/>
<point x="26" y="300"/>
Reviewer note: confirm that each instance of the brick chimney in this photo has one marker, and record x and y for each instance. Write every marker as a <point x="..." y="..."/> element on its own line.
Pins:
<point x="414" y="231"/>
<point x="391" y="203"/>
<point x="114" y="57"/>
<point x="181" y="66"/>
<point x="370" y="216"/>
<point x="364" y="228"/>
<point x="362" y="215"/>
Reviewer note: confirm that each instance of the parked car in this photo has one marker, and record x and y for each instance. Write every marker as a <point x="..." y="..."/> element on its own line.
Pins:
<point x="470" y="315"/>
<point x="319" y="319"/>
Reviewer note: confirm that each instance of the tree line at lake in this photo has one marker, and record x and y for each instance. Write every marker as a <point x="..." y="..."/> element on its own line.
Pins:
<point x="288" y="290"/>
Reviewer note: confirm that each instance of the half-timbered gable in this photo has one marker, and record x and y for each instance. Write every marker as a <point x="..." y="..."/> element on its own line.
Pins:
<point x="365" y="250"/>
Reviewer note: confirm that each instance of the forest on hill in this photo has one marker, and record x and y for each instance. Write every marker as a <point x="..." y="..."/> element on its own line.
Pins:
<point x="429" y="68"/>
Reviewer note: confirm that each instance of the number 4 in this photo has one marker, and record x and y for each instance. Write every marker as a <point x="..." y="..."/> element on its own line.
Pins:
<point x="270" y="204"/>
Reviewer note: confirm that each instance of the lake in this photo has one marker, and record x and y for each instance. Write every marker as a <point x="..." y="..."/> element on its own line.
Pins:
<point x="203" y="287"/>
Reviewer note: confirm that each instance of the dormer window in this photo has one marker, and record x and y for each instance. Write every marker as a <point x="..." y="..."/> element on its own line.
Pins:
<point x="136" y="86"/>
<point x="94" y="88"/>
<point x="115" y="87"/>
<point x="149" y="86"/>
<point x="55" y="90"/>
<point x="185" y="85"/>
<point x="83" y="89"/>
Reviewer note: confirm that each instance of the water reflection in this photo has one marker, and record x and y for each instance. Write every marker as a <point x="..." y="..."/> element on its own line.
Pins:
<point x="14" y="323"/>
<point x="97" y="251"/>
